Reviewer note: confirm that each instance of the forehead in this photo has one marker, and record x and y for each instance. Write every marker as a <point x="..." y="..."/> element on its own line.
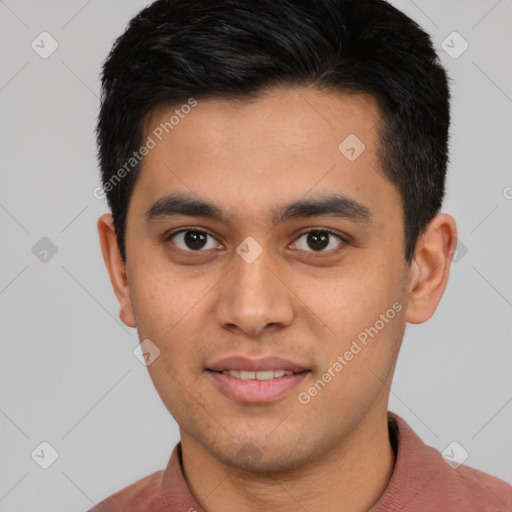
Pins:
<point x="298" y="118"/>
<point x="248" y="155"/>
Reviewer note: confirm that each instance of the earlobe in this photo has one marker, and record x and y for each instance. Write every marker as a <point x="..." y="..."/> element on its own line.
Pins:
<point x="116" y="268"/>
<point x="126" y="311"/>
<point x="430" y="268"/>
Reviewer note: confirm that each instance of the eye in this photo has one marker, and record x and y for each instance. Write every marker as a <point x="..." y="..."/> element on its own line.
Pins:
<point x="318" y="240"/>
<point x="193" y="240"/>
<point x="314" y="240"/>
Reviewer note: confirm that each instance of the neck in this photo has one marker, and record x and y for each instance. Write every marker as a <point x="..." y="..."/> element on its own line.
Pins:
<point x="351" y="478"/>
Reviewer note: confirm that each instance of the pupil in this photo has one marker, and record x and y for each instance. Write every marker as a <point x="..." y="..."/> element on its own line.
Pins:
<point x="195" y="239"/>
<point x="320" y="239"/>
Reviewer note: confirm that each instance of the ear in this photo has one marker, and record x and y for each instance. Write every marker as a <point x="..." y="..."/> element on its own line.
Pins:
<point x="116" y="268"/>
<point x="430" y="268"/>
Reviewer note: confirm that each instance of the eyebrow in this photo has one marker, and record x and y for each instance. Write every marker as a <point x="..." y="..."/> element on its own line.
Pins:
<point x="333" y="205"/>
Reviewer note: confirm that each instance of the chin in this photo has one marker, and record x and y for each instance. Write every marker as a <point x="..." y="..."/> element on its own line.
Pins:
<point x="260" y="456"/>
<point x="263" y="464"/>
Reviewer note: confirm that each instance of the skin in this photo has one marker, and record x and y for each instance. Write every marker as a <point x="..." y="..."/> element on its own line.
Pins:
<point x="293" y="301"/>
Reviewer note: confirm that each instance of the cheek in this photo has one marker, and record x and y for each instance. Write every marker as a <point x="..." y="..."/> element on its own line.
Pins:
<point x="351" y="301"/>
<point x="163" y="302"/>
<point x="171" y="313"/>
<point x="365" y="316"/>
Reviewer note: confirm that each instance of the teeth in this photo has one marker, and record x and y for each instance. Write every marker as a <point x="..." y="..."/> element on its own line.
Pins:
<point x="264" y="375"/>
<point x="260" y="375"/>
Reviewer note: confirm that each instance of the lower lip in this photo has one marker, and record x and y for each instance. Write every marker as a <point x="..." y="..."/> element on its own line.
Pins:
<point x="256" y="390"/>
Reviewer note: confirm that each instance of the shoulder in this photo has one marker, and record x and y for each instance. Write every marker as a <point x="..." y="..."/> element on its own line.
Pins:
<point x="424" y="480"/>
<point x="476" y="490"/>
<point x="142" y="496"/>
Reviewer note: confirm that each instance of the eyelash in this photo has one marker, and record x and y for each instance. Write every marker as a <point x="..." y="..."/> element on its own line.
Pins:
<point x="330" y="232"/>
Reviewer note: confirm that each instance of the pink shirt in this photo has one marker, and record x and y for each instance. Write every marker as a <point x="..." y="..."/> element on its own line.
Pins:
<point x="421" y="481"/>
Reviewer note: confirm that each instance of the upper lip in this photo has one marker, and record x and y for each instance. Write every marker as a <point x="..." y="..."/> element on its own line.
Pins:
<point x="254" y="365"/>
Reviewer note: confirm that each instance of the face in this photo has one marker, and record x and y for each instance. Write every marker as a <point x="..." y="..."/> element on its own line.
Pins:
<point x="296" y="266"/>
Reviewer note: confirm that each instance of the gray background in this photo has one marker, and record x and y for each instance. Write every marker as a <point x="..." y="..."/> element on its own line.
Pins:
<point x="68" y="375"/>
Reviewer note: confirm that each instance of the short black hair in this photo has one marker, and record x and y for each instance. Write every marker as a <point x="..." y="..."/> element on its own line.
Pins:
<point x="177" y="50"/>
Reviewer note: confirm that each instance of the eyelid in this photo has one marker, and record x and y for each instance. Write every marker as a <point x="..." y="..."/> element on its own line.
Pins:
<point x="170" y="234"/>
<point x="323" y="230"/>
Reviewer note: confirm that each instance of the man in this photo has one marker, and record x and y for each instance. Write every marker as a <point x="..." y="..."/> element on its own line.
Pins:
<point x="275" y="171"/>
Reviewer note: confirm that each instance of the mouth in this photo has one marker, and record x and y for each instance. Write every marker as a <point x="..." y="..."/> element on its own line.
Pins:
<point x="256" y="381"/>
<point x="257" y="375"/>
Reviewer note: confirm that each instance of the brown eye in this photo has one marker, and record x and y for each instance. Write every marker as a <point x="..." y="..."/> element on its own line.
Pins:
<point x="193" y="240"/>
<point x="317" y="240"/>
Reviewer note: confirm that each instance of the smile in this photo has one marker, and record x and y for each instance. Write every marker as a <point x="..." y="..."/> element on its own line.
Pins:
<point x="259" y="375"/>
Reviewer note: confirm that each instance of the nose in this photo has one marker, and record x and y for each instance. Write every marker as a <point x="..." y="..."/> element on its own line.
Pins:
<point x="253" y="297"/>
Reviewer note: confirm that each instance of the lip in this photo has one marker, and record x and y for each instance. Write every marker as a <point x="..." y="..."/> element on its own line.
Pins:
<point x="254" y="365"/>
<point x="256" y="391"/>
